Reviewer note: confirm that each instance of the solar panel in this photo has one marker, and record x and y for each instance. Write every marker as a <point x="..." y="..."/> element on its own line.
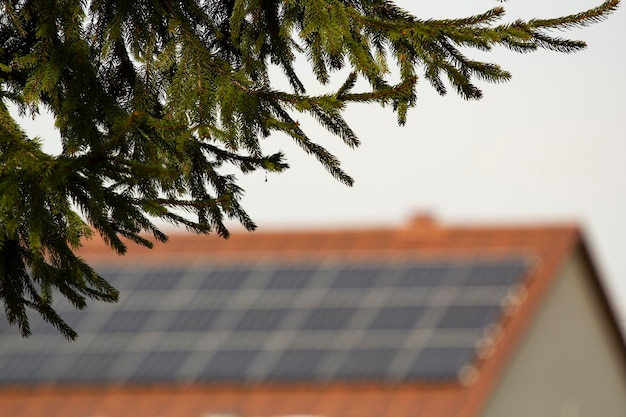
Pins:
<point x="416" y="319"/>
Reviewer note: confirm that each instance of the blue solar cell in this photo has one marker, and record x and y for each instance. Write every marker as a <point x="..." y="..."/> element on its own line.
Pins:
<point x="72" y="318"/>
<point x="291" y="278"/>
<point x="329" y="319"/>
<point x="424" y="276"/>
<point x="297" y="365"/>
<point x="225" y="279"/>
<point x="194" y="320"/>
<point x="23" y="368"/>
<point x="262" y="319"/>
<point x="159" y="366"/>
<point x="495" y="275"/>
<point x="118" y="278"/>
<point x="366" y="363"/>
<point x="6" y="328"/>
<point x="440" y="363"/>
<point x="90" y="367"/>
<point x="230" y="365"/>
<point x="162" y="279"/>
<point x="126" y="321"/>
<point x="359" y="277"/>
<point x="398" y="317"/>
<point x="469" y="316"/>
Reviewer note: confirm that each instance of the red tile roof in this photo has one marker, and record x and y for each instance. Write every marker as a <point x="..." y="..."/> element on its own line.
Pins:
<point x="550" y="245"/>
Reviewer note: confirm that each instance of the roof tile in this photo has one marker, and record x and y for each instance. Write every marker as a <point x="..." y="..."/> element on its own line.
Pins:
<point x="422" y="239"/>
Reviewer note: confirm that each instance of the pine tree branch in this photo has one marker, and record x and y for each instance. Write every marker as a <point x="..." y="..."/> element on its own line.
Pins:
<point x="155" y="100"/>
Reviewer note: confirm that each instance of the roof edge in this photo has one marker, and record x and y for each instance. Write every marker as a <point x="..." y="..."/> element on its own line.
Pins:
<point x="606" y="303"/>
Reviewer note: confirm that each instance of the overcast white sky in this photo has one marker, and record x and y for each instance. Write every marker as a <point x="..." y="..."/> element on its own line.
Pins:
<point x="547" y="146"/>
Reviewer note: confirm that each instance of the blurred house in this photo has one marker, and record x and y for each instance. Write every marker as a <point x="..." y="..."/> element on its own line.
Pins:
<point x="419" y="321"/>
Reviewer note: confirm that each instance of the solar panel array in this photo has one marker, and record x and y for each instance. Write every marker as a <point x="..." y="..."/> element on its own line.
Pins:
<point x="272" y="322"/>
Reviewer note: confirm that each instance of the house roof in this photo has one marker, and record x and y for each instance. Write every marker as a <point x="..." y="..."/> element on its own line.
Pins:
<point x="419" y="319"/>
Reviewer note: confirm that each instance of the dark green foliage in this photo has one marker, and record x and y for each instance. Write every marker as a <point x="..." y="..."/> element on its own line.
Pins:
<point x="154" y="98"/>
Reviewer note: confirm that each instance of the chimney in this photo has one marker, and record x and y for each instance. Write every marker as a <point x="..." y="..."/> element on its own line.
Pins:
<point x="423" y="221"/>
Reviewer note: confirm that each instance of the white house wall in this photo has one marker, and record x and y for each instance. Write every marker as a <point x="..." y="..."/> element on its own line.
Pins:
<point x="569" y="364"/>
